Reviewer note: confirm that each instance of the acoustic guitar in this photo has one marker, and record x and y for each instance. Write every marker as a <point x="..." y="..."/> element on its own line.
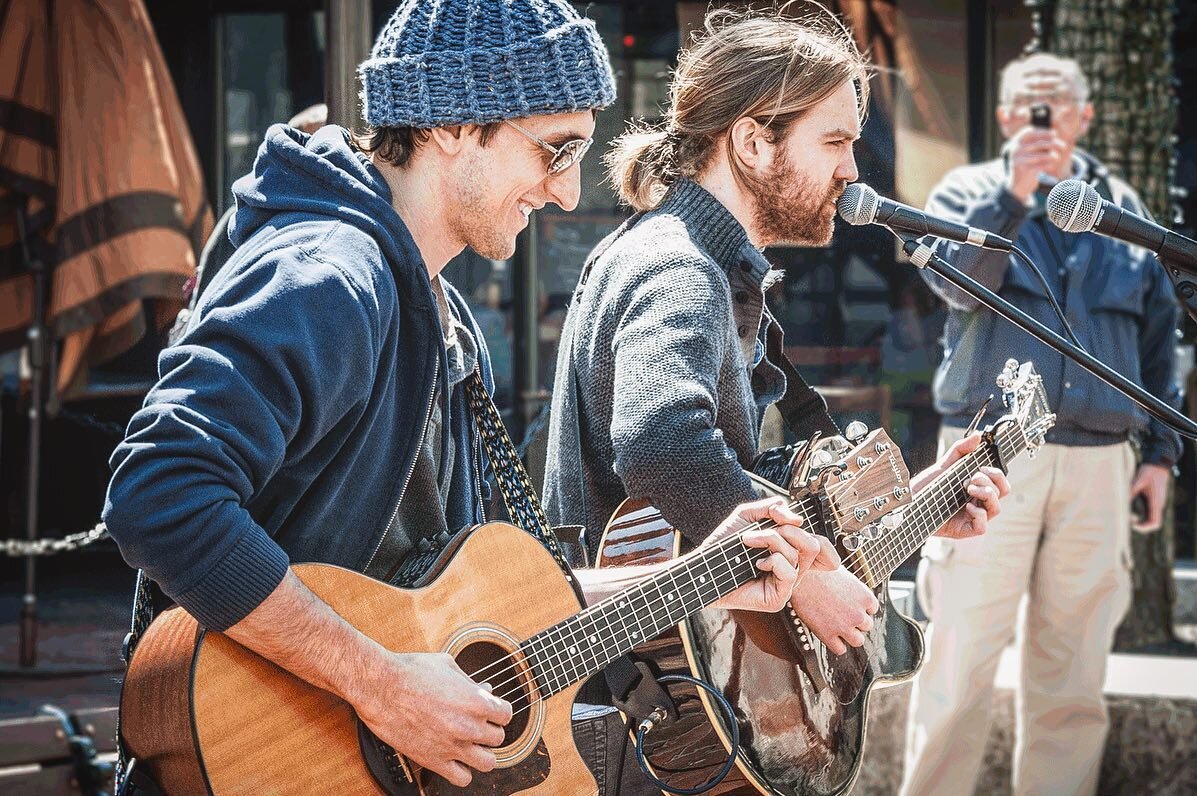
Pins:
<point x="202" y="714"/>
<point x="801" y="710"/>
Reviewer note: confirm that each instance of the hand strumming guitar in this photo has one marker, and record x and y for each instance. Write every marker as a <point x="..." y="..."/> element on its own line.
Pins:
<point x="421" y="704"/>
<point x="836" y="607"/>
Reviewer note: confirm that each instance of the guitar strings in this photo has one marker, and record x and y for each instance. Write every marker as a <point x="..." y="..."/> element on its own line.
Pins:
<point x="649" y="580"/>
<point x="855" y="565"/>
<point x="860" y="565"/>
<point x="940" y="498"/>
<point x="534" y="699"/>
<point x="805" y="506"/>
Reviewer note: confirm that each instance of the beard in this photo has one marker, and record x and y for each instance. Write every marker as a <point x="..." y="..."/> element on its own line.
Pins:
<point x="791" y="208"/>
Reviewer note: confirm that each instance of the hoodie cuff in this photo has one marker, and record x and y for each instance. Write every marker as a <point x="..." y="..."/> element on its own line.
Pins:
<point x="239" y="582"/>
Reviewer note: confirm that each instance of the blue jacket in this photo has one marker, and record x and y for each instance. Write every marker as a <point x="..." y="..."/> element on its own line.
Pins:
<point x="1116" y="297"/>
<point x="287" y="420"/>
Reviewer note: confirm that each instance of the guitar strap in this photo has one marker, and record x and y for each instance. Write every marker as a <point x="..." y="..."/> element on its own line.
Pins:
<point x="519" y="495"/>
<point x="802" y="409"/>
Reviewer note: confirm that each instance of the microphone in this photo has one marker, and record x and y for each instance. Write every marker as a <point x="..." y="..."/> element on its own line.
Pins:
<point x="860" y="204"/>
<point x="1075" y="206"/>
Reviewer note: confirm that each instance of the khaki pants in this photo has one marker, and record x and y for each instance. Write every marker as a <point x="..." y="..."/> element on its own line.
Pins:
<point x="1057" y="560"/>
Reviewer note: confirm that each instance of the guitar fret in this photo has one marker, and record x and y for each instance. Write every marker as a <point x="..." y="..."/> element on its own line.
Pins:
<point x="934" y="506"/>
<point x="575" y="648"/>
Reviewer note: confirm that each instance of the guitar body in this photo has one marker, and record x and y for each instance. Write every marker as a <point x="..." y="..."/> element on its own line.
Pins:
<point x="205" y="715"/>
<point x="795" y="737"/>
<point x="801" y="711"/>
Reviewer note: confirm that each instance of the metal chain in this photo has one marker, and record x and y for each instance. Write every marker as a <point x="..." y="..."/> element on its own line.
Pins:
<point x="22" y="548"/>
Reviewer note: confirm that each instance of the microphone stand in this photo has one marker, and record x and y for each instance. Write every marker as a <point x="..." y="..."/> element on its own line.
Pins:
<point x="924" y="256"/>
<point x="1182" y="273"/>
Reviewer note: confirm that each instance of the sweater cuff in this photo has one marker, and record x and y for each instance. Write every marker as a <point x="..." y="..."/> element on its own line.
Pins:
<point x="239" y="582"/>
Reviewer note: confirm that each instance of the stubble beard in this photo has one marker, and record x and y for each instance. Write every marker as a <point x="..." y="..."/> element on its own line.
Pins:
<point x="476" y="220"/>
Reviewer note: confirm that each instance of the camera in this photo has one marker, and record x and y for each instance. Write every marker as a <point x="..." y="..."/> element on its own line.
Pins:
<point x="1041" y="115"/>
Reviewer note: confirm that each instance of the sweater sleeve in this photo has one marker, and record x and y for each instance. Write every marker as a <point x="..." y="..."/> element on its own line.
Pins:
<point x="276" y="358"/>
<point x="668" y="347"/>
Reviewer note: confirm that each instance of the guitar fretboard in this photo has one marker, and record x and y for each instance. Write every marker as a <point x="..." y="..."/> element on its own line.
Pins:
<point x="935" y="504"/>
<point x="582" y="645"/>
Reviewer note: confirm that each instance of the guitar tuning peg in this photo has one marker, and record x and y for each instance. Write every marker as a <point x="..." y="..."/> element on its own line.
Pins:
<point x="820" y="459"/>
<point x="870" y="532"/>
<point x="856" y="431"/>
<point x="892" y="520"/>
<point x="852" y="543"/>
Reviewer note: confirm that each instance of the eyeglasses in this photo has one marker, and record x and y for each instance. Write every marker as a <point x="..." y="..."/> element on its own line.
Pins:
<point x="565" y="155"/>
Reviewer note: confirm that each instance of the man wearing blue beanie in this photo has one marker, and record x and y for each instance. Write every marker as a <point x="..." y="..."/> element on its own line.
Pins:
<point x="315" y="408"/>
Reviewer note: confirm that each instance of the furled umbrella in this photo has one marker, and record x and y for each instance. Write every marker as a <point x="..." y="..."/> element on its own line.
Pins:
<point x="100" y="189"/>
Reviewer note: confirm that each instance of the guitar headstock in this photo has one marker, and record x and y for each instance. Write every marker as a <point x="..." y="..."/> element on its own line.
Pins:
<point x="859" y="480"/>
<point x="1028" y="415"/>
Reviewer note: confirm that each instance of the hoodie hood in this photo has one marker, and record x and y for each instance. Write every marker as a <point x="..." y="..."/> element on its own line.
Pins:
<point x="319" y="174"/>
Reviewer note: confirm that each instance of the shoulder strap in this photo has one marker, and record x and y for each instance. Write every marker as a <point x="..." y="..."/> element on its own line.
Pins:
<point x="523" y="506"/>
<point x="803" y="409"/>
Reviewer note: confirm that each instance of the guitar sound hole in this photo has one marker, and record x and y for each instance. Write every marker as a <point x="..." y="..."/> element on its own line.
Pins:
<point x="495" y="665"/>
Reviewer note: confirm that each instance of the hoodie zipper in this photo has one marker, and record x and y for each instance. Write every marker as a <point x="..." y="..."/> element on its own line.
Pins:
<point x="436" y="373"/>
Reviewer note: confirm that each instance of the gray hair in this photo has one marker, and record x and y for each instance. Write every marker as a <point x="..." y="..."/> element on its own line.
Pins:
<point x="1015" y="71"/>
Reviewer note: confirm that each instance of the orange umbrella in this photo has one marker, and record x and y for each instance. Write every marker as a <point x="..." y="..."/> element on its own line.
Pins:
<point x="94" y="149"/>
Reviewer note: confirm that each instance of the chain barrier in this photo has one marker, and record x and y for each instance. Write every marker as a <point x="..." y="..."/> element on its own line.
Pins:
<point x="22" y="548"/>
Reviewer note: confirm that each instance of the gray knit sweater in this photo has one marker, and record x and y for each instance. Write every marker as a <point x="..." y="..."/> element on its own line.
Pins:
<point x="661" y="374"/>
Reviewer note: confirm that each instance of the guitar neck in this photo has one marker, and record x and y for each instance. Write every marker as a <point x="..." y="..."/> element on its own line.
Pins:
<point x="934" y="505"/>
<point x="582" y="645"/>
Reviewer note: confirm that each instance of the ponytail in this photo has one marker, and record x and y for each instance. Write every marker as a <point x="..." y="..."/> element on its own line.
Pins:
<point x="641" y="166"/>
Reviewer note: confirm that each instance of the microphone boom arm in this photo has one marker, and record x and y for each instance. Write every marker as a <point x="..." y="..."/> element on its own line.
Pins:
<point x="924" y="256"/>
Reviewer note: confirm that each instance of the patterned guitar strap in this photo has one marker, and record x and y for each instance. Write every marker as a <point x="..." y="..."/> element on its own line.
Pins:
<point x="519" y="495"/>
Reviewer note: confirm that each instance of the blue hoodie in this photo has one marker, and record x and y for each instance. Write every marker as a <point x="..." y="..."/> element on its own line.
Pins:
<point x="287" y="420"/>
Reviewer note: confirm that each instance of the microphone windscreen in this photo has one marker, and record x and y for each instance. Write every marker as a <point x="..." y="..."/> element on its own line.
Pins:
<point x="858" y="204"/>
<point x="1074" y="206"/>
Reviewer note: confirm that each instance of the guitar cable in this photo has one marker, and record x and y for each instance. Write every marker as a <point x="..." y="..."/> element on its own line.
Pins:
<point x="646" y="726"/>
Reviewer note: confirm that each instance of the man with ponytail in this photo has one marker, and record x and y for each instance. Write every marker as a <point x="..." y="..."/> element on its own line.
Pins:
<point x="664" y="367"/>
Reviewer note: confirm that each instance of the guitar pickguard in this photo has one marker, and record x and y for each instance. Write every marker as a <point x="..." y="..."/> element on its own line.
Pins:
<point x="796" y="738"/>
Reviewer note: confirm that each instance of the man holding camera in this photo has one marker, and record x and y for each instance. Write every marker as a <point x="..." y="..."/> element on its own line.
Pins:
<point x="1062" y="539"/>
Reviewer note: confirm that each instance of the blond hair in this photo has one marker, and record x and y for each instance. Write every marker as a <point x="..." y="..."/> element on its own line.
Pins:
<point x="771" y="67"/>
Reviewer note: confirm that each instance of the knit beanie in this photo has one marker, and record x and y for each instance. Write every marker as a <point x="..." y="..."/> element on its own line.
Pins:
<point x="439" y="63"/>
